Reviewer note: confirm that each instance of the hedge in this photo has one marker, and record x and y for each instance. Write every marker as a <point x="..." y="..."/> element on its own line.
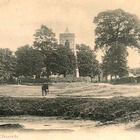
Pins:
<point x="125" y="80"/>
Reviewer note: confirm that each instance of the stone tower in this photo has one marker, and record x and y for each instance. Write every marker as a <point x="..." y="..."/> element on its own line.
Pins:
<point x="68" y="39"/>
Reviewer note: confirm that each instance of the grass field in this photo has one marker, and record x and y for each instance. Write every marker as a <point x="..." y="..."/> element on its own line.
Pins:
<point x="88" y="90"/>
<point x="102" y="102"/>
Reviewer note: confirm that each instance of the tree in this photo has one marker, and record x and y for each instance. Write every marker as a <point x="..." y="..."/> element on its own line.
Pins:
<point x="65" y="60"/>
<point x="135" y="71"/>
<point x="7" y="63"/>
<point x="115" y="31"/>
<point x="29" y="61"/>
<point x="45" y="42"/>
<point x="116" y="26"/>
<point x="114" y="61"/>
<point x="87" y="63"/>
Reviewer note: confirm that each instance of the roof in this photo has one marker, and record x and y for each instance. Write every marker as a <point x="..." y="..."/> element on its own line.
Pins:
<point x="67" y="30"/>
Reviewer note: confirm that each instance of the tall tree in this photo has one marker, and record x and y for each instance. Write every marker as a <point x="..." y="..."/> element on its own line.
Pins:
<point x="7" y="63"/>
<point x="115" y="62"/>
<point x="65" y="60"/>
<point x="45" y="42"/>
<point x="87" y="63"/>
<point x="29" y="61"/>
<point x="115" y="31"/>
<point x="116" y="26"/>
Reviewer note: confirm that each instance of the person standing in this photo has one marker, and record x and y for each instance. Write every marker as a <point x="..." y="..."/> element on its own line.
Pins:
<point x="45" y="89"/>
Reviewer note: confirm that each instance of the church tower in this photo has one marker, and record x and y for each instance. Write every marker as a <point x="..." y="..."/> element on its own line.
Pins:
<point x="68" y="39"/>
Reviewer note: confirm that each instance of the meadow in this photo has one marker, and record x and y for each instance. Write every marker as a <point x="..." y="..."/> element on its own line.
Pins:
<point x="77" y="89"/>
<point x="82" y="100"/>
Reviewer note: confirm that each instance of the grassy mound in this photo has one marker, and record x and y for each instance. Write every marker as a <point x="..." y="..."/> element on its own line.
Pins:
<point x="11" y="126"/>
<point x="72" y="108"/>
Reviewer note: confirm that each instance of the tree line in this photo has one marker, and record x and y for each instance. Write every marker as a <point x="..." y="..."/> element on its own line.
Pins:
<point x="46" y="57"/>
<point x="115" y="31"/>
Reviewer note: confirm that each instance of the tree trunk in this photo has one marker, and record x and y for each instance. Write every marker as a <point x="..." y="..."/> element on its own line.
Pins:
<point x="106" y="78"/>
<point x="64" y="75"/>
<point x="91" y="79"/>
<point x="99" y="78"/>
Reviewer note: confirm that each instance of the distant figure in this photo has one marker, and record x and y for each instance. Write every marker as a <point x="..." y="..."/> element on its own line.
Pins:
<point x="45" y="89"/>
<point x="18" y="81"/>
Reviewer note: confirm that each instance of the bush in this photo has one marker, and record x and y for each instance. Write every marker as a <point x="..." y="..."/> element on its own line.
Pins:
<point x="68" y="108"/>
<point x="124" y="80"/>
<point x="54" y="80"/>
<point x="138" y="79"/>
<point x="69" y="79"/>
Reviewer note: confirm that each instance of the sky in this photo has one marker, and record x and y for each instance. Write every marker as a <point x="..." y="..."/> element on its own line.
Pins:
<point x="19" y="19"/>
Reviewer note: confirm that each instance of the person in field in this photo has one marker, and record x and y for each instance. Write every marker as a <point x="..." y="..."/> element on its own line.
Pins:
<point x="45" y="89"/>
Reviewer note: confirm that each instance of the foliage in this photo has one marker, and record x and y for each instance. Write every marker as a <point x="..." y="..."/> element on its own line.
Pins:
<point x="65" y="60"/>
<point x="58" y="59"/>
<point x="7" y="63"/>
<point x="138" y="79"/>
<point x="135" y="71"/>
<point x="115" y="31"/>
<point x="29" y="61"/>
<point x="87" y="63"/>
<point x="45" y="42"/>
<point x="117" y="108"/>
<point x="125" y="80"/>
<point x="69" y="79"/>
<point x="114" y="61"/>
<point x="44" y="39"/>
<point x="116" y="26"/>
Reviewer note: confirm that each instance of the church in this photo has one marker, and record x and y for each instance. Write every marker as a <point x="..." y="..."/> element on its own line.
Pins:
<point x="68" y="39"/>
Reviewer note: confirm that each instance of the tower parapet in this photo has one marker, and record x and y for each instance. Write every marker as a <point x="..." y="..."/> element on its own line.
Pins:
<point x="68" y="38"/>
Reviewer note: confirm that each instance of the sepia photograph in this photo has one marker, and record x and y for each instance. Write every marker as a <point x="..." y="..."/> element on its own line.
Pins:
<point x="69" y="70"/>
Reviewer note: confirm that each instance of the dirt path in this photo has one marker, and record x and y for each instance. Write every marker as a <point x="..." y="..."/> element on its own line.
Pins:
<point x="51" y="128"/>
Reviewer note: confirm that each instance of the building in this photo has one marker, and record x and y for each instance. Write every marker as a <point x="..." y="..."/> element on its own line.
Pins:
<point x="68" y="40"/>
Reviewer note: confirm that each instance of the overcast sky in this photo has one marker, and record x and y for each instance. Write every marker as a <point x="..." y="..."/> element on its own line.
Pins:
<point x="20" y="18"/>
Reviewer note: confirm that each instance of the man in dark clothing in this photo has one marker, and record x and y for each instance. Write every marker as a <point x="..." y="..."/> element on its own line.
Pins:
<point x="45" y="89"/>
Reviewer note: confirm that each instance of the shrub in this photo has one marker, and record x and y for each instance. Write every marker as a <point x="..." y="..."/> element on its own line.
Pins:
<point x="54" y="80"/>
<point x="124" y="80"/>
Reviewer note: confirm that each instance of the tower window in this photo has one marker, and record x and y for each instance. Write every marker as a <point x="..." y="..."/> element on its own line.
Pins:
<point x="67" y="44"/>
